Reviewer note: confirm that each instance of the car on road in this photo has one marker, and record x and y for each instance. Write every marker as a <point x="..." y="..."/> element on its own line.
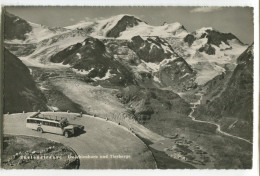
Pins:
<point x="60" y="126"/>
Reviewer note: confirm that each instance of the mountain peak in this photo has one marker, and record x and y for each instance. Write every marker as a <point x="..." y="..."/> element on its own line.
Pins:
<point x="175" y="26"/>
<point x="164" y="23"/>
<point x="214" y="36"/>
<point x="125" y="26"/>
<point x="120" y="23"/>
<point x="23" y="31"/>
<point x="125" y="16"/>
<point x="15" y="27"/>
<point x="202" y="31"/>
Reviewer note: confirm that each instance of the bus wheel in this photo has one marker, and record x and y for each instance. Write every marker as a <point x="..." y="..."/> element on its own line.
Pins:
<point x="66" y="134"/>
<point x="40" y="130"/>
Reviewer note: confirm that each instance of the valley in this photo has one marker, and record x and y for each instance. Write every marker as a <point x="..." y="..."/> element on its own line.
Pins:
<point x="163" y="131"/>
<point x="171" y="88"/>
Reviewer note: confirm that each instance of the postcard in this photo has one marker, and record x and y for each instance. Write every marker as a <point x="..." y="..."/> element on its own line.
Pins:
<point x="128" y="87"/>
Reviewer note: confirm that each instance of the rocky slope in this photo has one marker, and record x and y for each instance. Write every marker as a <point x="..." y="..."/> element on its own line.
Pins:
<point x="15" y="27"/>
<point x="18" y="30"/>
<point x="124" y="23"/>
<point x="208" y="51"/>
<point x="126" y="70"/>
<point x="141" y="61"/>
<point x="90" y="59"/>
<point x="233" y="109"/>
<point x="23" y="38"/>
<point x="47" y="47"/>
<point x="146" y="103"/>
<point x="205" y="50"/>
<point x="151" y="49"/>
<point x="20" y="91"/>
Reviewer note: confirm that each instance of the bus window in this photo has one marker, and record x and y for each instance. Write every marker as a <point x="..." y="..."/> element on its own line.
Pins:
<point x="46" y="123"/>
<point x="53" y="124"/>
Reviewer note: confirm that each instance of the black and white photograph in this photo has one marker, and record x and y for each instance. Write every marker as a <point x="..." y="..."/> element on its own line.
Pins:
<point x="128" y="87"/>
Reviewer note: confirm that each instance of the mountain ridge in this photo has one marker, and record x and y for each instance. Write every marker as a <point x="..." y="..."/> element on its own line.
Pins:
<point x="27" y="32"/>
<point x="205" y="50"/>
<point x="235" y="103"/>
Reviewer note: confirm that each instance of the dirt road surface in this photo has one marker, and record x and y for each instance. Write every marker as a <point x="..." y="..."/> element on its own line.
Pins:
<point x="100" y="139"/>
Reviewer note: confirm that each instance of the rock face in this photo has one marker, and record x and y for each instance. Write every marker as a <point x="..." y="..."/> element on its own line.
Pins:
<point x="213" y="37"/>
<point x="20" y="91"/>
<point x="152" y="49"/>
<point x="91" y="47"/>
<point x="15" y="27"/>
<point x="145" y="103"/>
<point x="235" y="104"/>
<point x="47" y="47"/>
<point x="144" y="47"/>
<point x="91" y="59"/>
<point x="24" y="32"/>
<point x="151" y="44"/>
<point x="239" y="92"/>
<point x="124" y="23"/>
<point x="189" y="39"/>
<point x="216" y="38"/>
<point x="177" y="74"/>
<point x="208" y="49"/>
<point x="139" y="61"/>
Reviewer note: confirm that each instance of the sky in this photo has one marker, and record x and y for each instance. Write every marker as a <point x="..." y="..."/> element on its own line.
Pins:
<point x="237" y="20"/>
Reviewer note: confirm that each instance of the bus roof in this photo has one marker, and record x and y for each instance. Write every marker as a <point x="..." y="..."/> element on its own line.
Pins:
<point x="35" y="114"/>
<point x="49" y="120"/>
<point x="36" y="117"/>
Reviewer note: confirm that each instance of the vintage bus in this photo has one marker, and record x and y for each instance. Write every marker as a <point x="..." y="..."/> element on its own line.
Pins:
<point x="57" y="126"/>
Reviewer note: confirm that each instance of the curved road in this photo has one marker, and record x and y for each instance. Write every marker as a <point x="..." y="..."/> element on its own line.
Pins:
<point x="100" y="139"/>
<point x="212" y="123"/>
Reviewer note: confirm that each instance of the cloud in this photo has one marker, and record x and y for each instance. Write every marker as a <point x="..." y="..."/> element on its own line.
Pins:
<point x="72" y="19"/>
<point x="205" y="9"/>
<point x="93" y="19"/>
<point x="88" y="19"/>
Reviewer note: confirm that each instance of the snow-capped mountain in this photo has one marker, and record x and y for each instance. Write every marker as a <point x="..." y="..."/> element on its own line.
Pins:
<point x="208" y="51"/>
<point x="126" y="27"/>
<point x="162" y="62"/>
<point x="27" y="39"/>
<point x="91" y="60"/>
<point x="100" y="60"/>
<point x="19" y="31"/>
<point x="47" y="47"/>
<point x="144" y="48"/>
<point x="157" y="81"/>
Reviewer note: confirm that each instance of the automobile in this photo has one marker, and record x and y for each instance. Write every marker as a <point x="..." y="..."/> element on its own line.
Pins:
<point x="60" y="126"/>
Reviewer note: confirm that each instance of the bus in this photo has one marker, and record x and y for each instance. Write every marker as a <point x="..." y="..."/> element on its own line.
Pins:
<point x="57" y="126"/>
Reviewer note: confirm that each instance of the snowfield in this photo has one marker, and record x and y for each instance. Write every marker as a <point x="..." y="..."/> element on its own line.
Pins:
<point x="50" y="41"/>
<point x="82" y="72"/>
<point x="102" y="26"/>
<point x="107" y="76"/>
<point x="144" y="29"/>
<point x="207" y="66"/>
<point x="39" y="33"/>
